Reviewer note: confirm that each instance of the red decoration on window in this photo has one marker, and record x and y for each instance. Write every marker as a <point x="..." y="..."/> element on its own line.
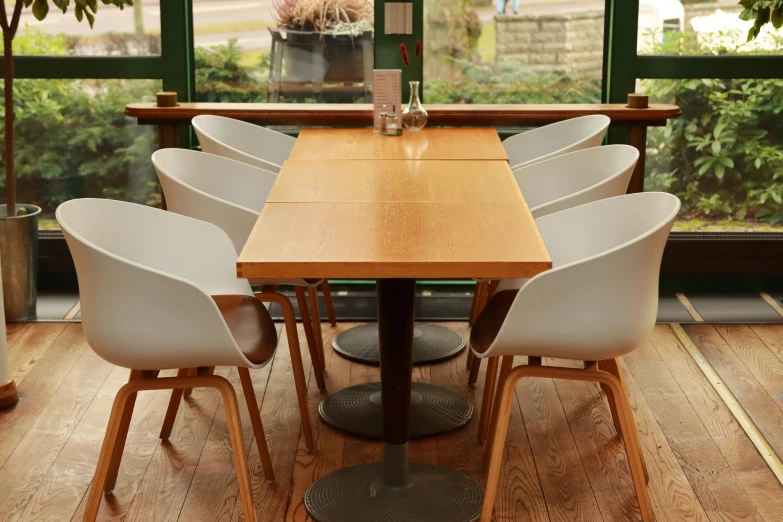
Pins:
<point x="404" y="52"/>
<point x="418" y="48"/>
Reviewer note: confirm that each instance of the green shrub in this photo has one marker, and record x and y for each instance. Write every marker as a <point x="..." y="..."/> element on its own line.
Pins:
<point x="72" y="139"/>
<point x="508" y="81"/>
<point x="222" y="77"/>
<point x="723" y="156"/>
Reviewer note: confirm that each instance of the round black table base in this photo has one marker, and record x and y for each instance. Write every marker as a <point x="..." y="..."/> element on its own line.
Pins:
<point x="358" y="494"/>
<point x="357" y="410"/>
<point x="431" y="343"/>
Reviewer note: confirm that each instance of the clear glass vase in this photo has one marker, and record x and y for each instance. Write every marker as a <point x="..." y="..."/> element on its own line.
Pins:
<point x="414" y="117"/>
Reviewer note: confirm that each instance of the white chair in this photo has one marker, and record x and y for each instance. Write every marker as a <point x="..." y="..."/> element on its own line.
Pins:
<point x="555" y="139"/>
<point x="159" y="291"/>
<point x="597" y="303"/>
<point x="253" y="145"/>
<point x="242" y="141"/>
<point x="557" y="184"/>
<point x="230" y="195"/>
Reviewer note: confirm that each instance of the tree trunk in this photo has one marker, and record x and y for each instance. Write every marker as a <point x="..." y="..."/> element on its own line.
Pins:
<point x="138" y="17"/>
<point x="8" y="84"/>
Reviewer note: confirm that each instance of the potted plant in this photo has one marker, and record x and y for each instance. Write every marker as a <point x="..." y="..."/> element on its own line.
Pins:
<point x="18" y="221"/>
<point x="322" y="38"/>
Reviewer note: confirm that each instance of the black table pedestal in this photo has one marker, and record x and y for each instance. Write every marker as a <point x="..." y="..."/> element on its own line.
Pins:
<point x="396" y="489"/>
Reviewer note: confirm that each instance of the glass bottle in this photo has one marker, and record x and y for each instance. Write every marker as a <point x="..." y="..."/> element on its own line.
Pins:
<point x="414" y="117"/>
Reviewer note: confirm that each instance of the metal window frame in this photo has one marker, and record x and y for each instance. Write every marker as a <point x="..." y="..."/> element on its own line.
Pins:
<point x="749" y="253"/>
<point x="622" y="66"/>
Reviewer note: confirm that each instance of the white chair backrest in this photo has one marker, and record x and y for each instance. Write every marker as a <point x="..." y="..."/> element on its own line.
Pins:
<point x="242" y="141"/>
<point x="600" y="300"/>
<point x="145" y="281"/>
<point x="577" y="178"/>
<point x="224" y="192"/>
<point x="555" y="139"/>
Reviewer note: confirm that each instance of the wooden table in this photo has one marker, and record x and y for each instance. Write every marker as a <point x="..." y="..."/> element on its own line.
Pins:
<point x="395" y="220"/>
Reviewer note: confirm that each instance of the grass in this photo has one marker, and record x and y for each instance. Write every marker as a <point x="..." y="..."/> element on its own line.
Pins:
<point x="487" y="43"/>
<point x="251" y="58"/>
<point x="235" y="27"/>
<point x="723" y="225"/>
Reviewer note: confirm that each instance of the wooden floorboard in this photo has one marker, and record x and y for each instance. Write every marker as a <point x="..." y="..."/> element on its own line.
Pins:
<point x="563" y="459"/>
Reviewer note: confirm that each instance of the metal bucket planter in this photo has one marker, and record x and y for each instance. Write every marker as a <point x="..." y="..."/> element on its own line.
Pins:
<point x="316" y="57"/>
<point x="19" y="248"/>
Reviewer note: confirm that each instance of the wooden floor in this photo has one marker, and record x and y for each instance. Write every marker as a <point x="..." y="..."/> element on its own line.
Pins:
<point x="564" y="460"/>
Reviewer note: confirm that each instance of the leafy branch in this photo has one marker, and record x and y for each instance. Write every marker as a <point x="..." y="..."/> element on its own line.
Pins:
<point x="82" y="8"/>
<point x="761" y="12"/>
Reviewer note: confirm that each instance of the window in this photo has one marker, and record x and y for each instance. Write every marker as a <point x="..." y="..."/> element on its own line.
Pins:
<point x="72" y="140"/>
<point x="251" y="52"/>
<point x="546" y="52"/>
<point x="133" y="31"/>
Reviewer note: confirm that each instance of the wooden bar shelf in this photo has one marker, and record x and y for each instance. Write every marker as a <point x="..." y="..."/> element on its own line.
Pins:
<point x="446" y="115"/>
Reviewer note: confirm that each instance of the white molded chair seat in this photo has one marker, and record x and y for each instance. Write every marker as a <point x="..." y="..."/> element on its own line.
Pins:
<point x="258" y="146"/>
<point x="576" y="178"/>
<point x="219" y="190"/>
<point x="159" y="291"/>
<point x="230" y="194"/>
<point x="146" y="281"/>
<point x="563" y="182"/>
<point x="597" y="303"/>
<point x="555" y="139"/>
<point x="600" y="299"/>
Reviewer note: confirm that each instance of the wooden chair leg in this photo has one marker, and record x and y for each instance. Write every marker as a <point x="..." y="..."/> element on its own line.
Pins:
<point x="625" y="416"/>
<point x="328" y="302"/>
<point x="122" y="434"/>
<point x="300" y="381"/>
<point x="501" y="429"/>
<point x="108" y="453"/>
<point x="505" y="369"/>
<point x="188" y="391"/>
<point x="612" y="366"/>
<point x="307" y="323"/>
<point x="171" y="412"/>
<point x="492" y="288"/>
<point x="149" y="381"/>
<point x="258" y="427"/>
<point x="486" y="401"/>
<point x="237" y="446"/>
<point x="474" y="371"/>
<point x="474" y="304"/>
<point x="471" y="357"/>
<point x="482" y="290"/>
<point x="632" y="448"/>
<point x="315" y="313"/>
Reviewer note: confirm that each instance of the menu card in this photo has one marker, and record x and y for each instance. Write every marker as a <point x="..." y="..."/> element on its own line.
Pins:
<point x="387" y="94"/>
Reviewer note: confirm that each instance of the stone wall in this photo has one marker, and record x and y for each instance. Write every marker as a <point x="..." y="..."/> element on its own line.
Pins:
<point x="694" y="10"/>
<point x="563" y="43"/>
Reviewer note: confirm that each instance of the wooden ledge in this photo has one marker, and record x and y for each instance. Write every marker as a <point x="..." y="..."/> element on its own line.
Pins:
<point x="349" y="114"/>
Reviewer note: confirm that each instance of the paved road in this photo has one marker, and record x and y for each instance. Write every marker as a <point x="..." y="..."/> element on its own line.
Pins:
<point x="222" y="12"/>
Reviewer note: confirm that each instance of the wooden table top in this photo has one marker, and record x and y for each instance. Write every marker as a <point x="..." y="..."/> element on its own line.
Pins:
<point x="422" y="240"/>
<point x="358" y="181"/>
<point x="428" y="144"/>
<point x="395" y="218"/>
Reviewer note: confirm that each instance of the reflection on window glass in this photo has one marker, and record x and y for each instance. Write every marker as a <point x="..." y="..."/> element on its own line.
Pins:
<point x="283" y="50"/>
<point x="695" y="27"/>
<point x="513" y="51"/>
<point x="131" y="31"/>
<point x="72" y="140"/>
<point x="723" y="157"/>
